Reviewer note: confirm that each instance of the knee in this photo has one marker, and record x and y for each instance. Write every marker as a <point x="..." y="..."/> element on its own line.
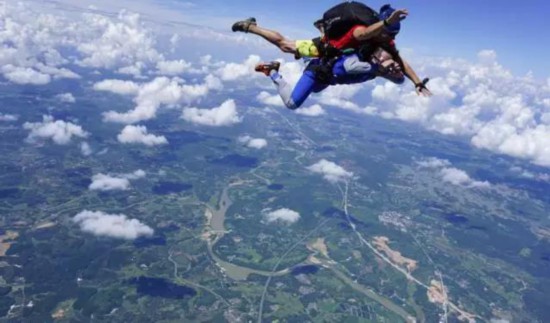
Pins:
<point x="286" y="46"/>
<point x="290" y="104"/>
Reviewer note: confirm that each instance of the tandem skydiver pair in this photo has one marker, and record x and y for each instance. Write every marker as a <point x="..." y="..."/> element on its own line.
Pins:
<point x="356" y="45"/>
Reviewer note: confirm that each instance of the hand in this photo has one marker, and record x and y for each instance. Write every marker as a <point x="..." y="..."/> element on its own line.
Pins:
<point x="423" y="91"/>
<point x="397" y="16"/>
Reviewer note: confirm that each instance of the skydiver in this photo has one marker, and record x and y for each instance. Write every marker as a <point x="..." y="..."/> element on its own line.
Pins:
<point x="379" y="34"/>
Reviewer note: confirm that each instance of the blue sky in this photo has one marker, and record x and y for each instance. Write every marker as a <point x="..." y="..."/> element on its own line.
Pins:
<point x="514" y="29"/>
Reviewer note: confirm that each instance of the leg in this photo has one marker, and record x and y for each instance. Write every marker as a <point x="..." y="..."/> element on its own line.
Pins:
<point x="294" y="98"/>
<point x="274" y="37"/>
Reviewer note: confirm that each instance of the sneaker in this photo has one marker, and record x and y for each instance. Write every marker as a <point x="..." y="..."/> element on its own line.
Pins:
<point x="243" y="25"/>
<point x="266" y="68"/>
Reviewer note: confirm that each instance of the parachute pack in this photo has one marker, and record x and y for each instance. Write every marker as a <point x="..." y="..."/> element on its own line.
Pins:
<point x="339" y="19"/>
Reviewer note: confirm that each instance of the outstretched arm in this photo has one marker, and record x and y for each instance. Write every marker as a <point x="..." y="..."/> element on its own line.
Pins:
<point x="365" y="33"/>
<point x="420" y="87"/>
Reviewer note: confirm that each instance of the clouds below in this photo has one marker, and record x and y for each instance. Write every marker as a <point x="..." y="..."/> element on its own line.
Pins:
<point x="103" y="182"/>
<point x="450" y="174"/>
<point x="256" y="143"/>
<point x="283" y="215"/>
<point x="138" y="135"/>
<point x="111" y="225"/>
<point x="25" y="75"/>
<point x="40" y="47"/>
<point x="173" y="67"/>
<point x="330" y="171"/>
<point x="117" y="87"/>
<point x="60" y="132"/>
<point x="481" y="100"/>
<point x="235" y="71"/>
<point x="66" y="98"/>
<point x="8" y="117"/>
<point x="312" y="111"/>
<point x="268" y="99"/>
<point x="85" y="149"/>
<point x="224" y="115"/>
<point x="150" y="96"/>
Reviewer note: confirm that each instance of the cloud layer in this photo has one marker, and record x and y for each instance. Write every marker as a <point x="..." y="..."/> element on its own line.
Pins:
<point x="111" y="225"/>
<point x="481" y="100"/>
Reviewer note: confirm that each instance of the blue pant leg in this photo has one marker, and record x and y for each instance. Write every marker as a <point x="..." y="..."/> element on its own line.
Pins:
<point x="306" y="84"/>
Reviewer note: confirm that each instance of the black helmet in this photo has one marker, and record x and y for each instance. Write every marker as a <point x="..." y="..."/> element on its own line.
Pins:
<point x="319" y="23"/>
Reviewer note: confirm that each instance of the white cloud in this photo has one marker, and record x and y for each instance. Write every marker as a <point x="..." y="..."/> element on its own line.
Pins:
<point x="499" y="320"/>
<point x="138" y="135"/>
<point x="66" y="98"/>
<point x="543" y="177"/>
<point x="133" y="70"/>
<point x="433" y="162"/>
<point x="42" y="37"/>
<point x="102" y="182"/>
<point x="160" y="91"/>
<point x="25" y="75"/>
<point x="117" y="87"/>
<point x="268" y="99"/>
<point x="56" y="72"/>
<point x="330" y="171"/>
<point x="451" y="175"/>
<point x="61" y="132"/>
<point x="312" y="111"/>
<point x="213" y="83"/>
<point x="257" y="143"/>
<point x="173" y="67"/>
<point x="459" y="177"/>
<point x="235" y="71"/>
<point x="135" y="175"/>
<point x="224" y="115"/>
<point x="532" y="143"/>
<point x="115" y="43"/>
<point x="111" y="225"/>
<point x="340" y="96"/>
<point x="85" y="148"/>
<point x="34" y="42"/>
<point x="487" y="56"/>
<point x="8" y="117"/>
<point x="283" y="215"/>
